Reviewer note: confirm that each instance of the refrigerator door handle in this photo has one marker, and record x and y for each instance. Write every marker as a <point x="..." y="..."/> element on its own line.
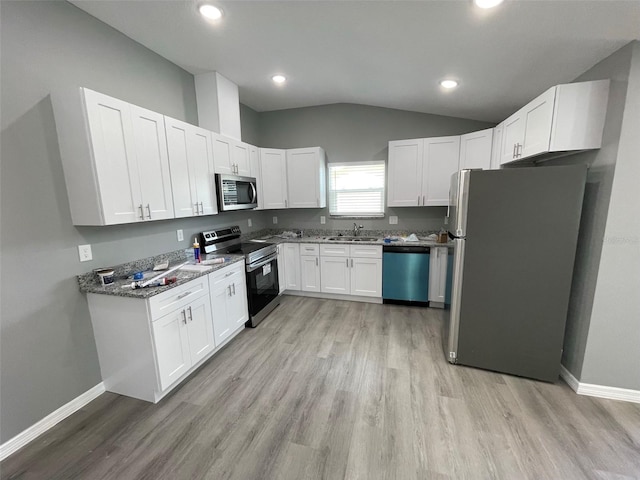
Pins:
<point x="451" y="346"/>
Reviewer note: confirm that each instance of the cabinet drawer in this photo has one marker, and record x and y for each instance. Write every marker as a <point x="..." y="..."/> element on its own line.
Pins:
<point x="309" y="249"/>
<point x="177" y="297"/>
<point x="330" y="250"/>
<point x="224" y="274"/>
<point x="365" y="251"/>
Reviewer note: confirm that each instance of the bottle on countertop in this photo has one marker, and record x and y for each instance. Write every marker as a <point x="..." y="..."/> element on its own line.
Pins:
<point x="196" y="250"/>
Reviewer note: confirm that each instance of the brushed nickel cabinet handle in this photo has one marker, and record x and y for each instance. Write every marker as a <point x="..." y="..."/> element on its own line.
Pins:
<point x="148" y="212"/>
<point x="197" y="208"/>
<point x="190" y="314"/>
<point x="316" y="261"/>
<point x="184" y="317"/>
<point x="352" y="263"/>
<point x="234" y="288"/>
<point x="515" y="146"/>
<point x="229" y="289"/>
<point x="182" y="295"/>
<point x="424" y="201"/>
<point x="201" y="208"/>
<point x="141" y="212"/>
<point x="285" y="203"/>
<point x="418" y="200"/>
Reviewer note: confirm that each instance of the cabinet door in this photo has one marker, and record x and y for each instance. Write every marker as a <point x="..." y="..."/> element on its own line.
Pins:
<point x="223" y="325"/>
<point x="238" y="309"/>
<point x="405" y="173"/>
<point x="495" y="148"/>
<point x="310" y="273"/>
<point x="538" y="117"/>
<point x="153" y="163"/>
<point x="112" y="137"/>
<point x="437" y="274"/>
<point x="222" y="153"/>
<point x="292" y="266"/>
<point x="200" y="329"/>
<point x="441" y="158"/>
<point x="366" y="277"/>
<point x="172" y="347"/>
<point x="240" y="158"/>
<point x="184" y="198"/>
<point x="254" y="162"/>
<point x="475" y="149"/>
<point x="201" y="161"/>
<point x="281" y="269"/>
<point x="335" y="275"/>
<point x="273" y="166"/>
<point x="304" y="166"/>
<point x="512" y="133"/>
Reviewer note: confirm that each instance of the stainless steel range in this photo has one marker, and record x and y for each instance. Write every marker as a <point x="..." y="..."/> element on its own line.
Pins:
<point x="261" y="264"/>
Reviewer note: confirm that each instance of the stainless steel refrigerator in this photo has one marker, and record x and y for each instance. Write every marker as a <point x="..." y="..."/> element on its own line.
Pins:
<point x="515" y="233"/>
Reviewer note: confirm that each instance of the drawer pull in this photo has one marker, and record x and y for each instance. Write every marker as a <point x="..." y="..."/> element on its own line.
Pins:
<point x="182" y="295"/>
<point x="229" y="274"/>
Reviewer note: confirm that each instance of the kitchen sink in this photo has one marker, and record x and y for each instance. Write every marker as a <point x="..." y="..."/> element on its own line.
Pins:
<point x="351" y="239"/>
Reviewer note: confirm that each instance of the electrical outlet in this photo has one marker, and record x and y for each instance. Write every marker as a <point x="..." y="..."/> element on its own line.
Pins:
<point x="275" y="220"/>
<point x="180" y="235"/>
<point x="249" y="223"/>
<point x="84" y="251"/>
<point x="446" y="220"/>
<point x="393" y="220"/>
<point x="323" y="219"/>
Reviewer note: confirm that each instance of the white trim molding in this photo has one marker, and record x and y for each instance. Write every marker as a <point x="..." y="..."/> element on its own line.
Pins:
<point x="600" y="391"/>
<point x="34" y="431"/>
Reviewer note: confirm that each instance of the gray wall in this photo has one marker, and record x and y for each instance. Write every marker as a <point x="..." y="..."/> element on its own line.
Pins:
<point x="351" y="133"/>
<point x="612" y="355"/>
<point x="48" y="355"/>
<point x="602" y="166"/>
<point x="249" y="124"/>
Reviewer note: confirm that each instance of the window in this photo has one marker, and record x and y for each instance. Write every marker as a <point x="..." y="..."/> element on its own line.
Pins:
<point x="356" y="189"/>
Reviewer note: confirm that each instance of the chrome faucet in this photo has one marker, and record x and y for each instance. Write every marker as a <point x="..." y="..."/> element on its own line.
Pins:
<point x="356" y="229"/>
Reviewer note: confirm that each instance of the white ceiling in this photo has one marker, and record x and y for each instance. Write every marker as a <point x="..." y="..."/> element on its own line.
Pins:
<point x="384" y="53"/>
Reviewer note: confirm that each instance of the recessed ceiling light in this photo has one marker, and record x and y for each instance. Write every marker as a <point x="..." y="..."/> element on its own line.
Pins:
<point x="448" y="84"/>
<point x="279" y="79"/>
<point x="487" y="3"/>
<point x="210" y="12"/>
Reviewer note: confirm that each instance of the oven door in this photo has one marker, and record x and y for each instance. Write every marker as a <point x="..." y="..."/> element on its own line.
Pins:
<point x="262" y="283"/>
<point x="236" y="193"/>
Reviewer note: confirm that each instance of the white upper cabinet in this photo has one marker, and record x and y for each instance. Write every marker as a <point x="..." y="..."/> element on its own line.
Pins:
<point x="475" y="149"/>
<point x="441" y="156"/>
<point x="118" y="171"/>
<point x="230" y="157"/>
<point x="306" y="169"/>
<point x="273" y="167"/>
<point x="254" y="165"/>
<point x="495" y="149"/>
<point x="565" y="118"/>
<point x="191" y="161"/>
<point x="405" y="173"/>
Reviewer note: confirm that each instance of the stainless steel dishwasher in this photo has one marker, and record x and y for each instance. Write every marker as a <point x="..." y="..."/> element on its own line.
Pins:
<point x="405" y="274"/>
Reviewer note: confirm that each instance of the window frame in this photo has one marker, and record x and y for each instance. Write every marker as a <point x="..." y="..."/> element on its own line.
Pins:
<point x="383" y="190"/>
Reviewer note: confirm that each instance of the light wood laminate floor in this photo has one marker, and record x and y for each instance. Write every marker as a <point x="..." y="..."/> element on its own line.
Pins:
<point x="326" y="389"/>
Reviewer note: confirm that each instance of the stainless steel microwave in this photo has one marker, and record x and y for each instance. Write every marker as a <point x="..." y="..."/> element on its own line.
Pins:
<point x="236" y="193"/>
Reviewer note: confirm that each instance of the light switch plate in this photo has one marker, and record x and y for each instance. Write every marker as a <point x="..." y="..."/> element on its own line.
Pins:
<point x="393" y="220"/>
<point x="84" y="252"/>
<point x="323" y="219"/>
<point x="275" y="220"/>
<point x="249" y="222"/>
<point x="180" y="235"/>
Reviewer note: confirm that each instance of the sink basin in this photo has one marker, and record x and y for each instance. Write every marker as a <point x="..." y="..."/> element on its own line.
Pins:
<point x="351" y="239"/>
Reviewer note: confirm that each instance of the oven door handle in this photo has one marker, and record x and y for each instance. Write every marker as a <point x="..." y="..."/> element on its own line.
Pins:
<point x="269" y="259"/>
<point x="255" y="193"/>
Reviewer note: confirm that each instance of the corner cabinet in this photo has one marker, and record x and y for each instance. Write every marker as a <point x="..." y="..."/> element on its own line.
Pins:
<point x="192" y="174"/>
<point x="565" y="118"/>
<point x="114" y="157"/>
<point x="306" y="172"/>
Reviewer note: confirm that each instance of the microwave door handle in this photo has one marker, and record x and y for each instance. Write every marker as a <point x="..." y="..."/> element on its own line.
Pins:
<point x="255" y="192"/>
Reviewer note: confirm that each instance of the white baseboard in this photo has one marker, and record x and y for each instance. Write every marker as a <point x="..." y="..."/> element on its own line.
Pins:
<point x="600" y="391"/>
<point x="333" y="296"/>
<point x="34" y="431"/>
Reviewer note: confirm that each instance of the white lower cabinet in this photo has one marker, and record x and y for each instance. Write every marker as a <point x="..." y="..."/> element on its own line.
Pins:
<point x="351" y="269"/>
<point x="292" y="266"/>
<point x="309" y="273"/>
<point x="182" y="338"/>
<point x="438" y="276"/>
<point x="228" y="301"/>
<point x="281" y="269"/>
<point x="147" y="346"/>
